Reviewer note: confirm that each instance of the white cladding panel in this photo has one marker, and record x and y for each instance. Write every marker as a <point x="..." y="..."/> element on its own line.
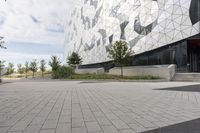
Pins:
<point x="146" y="24"/>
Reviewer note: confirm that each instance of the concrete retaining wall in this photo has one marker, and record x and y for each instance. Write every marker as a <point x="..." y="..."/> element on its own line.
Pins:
<point x="90" y="71"/>
<point x="162" y="71"/>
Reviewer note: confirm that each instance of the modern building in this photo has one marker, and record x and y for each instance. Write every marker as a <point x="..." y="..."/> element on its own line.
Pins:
<point x="158" y="31"/>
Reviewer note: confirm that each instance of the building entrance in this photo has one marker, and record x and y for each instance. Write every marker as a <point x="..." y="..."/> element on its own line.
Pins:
<point x="194" y="55"/>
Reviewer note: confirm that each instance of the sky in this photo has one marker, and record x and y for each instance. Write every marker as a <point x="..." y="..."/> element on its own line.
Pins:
<point x="33" y="29"/>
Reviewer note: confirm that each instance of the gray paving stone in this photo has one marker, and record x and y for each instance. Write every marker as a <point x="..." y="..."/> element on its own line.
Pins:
<point x="20" y="126"/>
<point x="98" y="114"/>
<point x="47" y="131"/>
<point x="49" y="124"/>
<point x="77" y="115"/>
<point x="4" y="129"/>
<point x="119" y="124"/>
<point x="53" y="116"/>
<point x="137" y="127"/>
<point x="146" y="123"/>
<point x="15" y="132"/>
<point x="76" y="122"/>
<point x="33" y="129"/>
<point x="81" y="107"/>
<point x="93" y="127"/>
<point x="103" y="121"/>
<point x="127" y="119"/>
<point x="65" y="119"/>
<point x="112" y="116"/>
<point x="79" y="130"/>
<point x="63" y="128"/>
<point x="127" y="131"/>
<point x="110" y="129"/>
<point x="38" y="121"/>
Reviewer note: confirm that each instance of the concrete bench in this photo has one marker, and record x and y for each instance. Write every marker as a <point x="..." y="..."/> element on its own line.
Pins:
<point x="90" y="71"/>
<point x="162" y="71"/>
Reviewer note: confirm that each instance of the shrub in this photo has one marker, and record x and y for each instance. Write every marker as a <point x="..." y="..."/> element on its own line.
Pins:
<point x="62" y="72"/>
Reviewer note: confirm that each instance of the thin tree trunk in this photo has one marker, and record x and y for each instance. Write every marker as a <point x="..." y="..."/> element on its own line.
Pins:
<point x="33" y="74"/>
<point x="26" y="75"/>
<point x="121" y="71"/>
<point x="42" y="74"/>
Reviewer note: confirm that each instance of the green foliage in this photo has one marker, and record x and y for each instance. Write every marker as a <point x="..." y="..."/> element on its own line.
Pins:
<point x="120" y="53"/>
<point x="26" y="67"/>
<point x="54" y="63"/>
<point x="33" y="67"/>
<point x="23" y="70"/>
<point x="62" y="72"/>
<point x="2" y="42"/>
<point x="19" y="69"/>
<point x="10" y="68"/>
<point x="43" y="66"/>
<point x="74" y="59"/>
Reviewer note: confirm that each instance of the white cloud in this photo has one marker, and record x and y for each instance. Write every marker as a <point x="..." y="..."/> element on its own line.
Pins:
<point x="22" y="57"/>
<point x="37" y="21"/>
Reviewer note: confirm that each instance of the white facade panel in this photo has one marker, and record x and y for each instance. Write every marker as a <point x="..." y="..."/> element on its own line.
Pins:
<point x="146" y="24"/>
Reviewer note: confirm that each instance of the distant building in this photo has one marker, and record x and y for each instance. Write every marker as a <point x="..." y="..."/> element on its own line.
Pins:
<point x="158" y="31"/>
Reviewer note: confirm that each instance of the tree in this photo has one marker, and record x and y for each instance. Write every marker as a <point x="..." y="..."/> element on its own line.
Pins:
<point x="10" y="68"/>
<point x="33" y="67"/>
<point x="43" y="66"/>
<point x="1" y="67"/>
<point x="26" y="67"/>
<point x="19" y="68"/>
<point x="2" y="42"/>
<point x="120" y="53"/>
<point x="74" y="59"/>
<point x="54" y="63"/>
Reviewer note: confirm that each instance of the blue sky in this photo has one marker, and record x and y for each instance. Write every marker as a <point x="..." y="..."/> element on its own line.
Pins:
<point x="33" y="29"/>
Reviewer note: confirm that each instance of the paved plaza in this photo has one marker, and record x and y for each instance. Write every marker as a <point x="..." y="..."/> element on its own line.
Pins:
<point x="99" y="107"/>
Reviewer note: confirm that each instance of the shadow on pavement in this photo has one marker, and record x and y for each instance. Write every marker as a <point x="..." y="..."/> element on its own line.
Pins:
<point x="192" y="126"/>
<point x="191" y="88"/>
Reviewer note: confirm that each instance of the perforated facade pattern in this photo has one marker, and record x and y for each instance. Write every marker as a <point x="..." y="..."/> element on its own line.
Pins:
<point x="145" y="24"/>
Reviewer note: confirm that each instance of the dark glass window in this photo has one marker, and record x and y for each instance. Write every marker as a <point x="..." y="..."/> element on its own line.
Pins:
<point x="195" y="11"/>
<point x="180" y="56"/>
<point x="153" y="59"/>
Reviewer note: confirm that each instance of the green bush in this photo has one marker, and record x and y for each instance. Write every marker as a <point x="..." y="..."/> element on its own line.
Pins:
<point x="62" y="72"/>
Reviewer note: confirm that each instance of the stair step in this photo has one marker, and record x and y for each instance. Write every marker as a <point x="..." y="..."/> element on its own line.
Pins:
<point x="187" y="77"/>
